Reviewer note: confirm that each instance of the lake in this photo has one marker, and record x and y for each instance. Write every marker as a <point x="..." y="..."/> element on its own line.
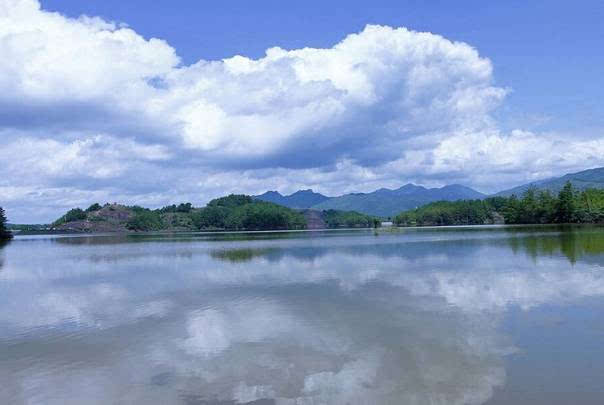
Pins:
<point x="467" y="315"/>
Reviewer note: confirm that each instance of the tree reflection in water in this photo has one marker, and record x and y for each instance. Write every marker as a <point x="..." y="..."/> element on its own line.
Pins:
<point x="573" y="242"/>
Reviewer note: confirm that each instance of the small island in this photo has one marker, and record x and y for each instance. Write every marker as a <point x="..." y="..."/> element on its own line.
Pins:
<point x="235" y="212"/>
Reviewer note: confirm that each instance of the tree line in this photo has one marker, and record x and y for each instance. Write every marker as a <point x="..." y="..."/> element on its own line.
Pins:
<point x="533" y="207"/>
<point x="349" y="219"/>
<point x="5" y="234"/>
<point x="233" y="212"/>
<point x="242" y="212"/>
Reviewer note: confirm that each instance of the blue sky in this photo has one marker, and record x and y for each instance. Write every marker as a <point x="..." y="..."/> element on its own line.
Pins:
<point x="147" y="102"/>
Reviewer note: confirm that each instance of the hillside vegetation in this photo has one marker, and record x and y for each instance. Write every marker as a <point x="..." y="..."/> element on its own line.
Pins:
<point x="534" y="207"/>
<point x="349" y="219"/>
<point x="233" y="212"/>
<point x="583" y="180"/>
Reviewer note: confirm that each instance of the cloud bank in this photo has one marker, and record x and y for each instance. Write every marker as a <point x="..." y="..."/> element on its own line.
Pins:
<point x="90" y="110"/>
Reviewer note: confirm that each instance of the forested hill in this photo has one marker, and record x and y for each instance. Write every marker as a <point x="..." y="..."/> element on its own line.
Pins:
<point x="592" y="178"/>
<point x="532" y="207"/>
<point x="233" y="212"/>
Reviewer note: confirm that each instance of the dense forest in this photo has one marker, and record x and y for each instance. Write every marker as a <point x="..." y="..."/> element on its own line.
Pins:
<point x="5" y="234"/>
<point x="242" y="212"/>
<point x="349" y="219"/>
<point x="233" y="212"/>
<point x="533" y="207"/>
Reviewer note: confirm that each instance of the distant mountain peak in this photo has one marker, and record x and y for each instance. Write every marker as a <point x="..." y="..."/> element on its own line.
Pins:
<point x="270" y="196"/>
<point x="307" y="191"/>
<point x="409" y="186"/>
<point x="590" y="178"/>
<point x="299" y="199"/>
<point x="408" y="189"/>
<point x="386" y="202"/>
<point x="458" y="187"/>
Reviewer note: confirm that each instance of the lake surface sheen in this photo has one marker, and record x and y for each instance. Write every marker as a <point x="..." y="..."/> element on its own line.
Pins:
<point x="487" y="315"/>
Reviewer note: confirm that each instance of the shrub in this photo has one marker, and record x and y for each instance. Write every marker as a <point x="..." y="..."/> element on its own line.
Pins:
<point x="145" y="220"/>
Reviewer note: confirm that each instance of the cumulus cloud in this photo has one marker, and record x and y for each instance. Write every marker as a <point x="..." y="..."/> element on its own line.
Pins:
<point x="48" y="58"/>
<point x="87" y="99"/>
<point x="362" y="99"/>
<point x="95" y="157"/>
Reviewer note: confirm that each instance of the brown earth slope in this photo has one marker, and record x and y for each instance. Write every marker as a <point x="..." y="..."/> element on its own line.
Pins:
<point x="110" y="218"/>
<point x="314" y="219"/>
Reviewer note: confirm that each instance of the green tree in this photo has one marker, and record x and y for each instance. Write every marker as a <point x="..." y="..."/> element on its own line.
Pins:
<point x="145" y="220"/>
<point x="211" y="217"/>
<point x="94" y="207"/>
<point x="184" y="207"/>
<point x="349" y="219"/>
<point x="260" y="215"/>
<point x="565" y="207"/>
<point x="546" y="207"/>
<point x="168" y="208"/>
<point x="231" y="201"/>
<point x="528" y="207"/>
<point x="511" y="210"/>
<point x="462" y="212"/>
<point x="5" y="234"/>
<point x="535" y="207"/>
<point x="75" y="214"/>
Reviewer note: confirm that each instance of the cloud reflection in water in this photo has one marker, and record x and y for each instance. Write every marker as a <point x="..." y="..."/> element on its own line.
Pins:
<point x="346" y="319"/>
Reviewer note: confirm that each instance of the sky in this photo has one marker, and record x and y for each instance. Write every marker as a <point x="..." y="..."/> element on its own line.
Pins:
<point x="154" y="103"/>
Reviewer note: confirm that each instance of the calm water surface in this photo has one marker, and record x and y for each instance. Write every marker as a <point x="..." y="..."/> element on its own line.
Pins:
<point x="421" y="316"/>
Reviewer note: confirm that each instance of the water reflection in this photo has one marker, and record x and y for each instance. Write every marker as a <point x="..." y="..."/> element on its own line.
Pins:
<point x="242" y="255"/>
<point x="344" y="318"/>
<point x="574" y="242"/>
<point x="571" y="241"/>
<point x="2" y="244"/>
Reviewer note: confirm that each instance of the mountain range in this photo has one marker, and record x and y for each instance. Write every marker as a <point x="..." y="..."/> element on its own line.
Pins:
<point x="383" y="202"/>
<point x="592" y="178"/>
<point x="387" y="203"/>
<point x="299" y="199"/>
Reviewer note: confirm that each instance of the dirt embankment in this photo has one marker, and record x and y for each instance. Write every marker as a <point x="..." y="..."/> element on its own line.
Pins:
<point x="110" y="218"/>
<point x="314" y="219"/>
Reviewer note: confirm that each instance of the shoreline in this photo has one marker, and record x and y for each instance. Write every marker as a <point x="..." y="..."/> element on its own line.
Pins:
<point x="389" y="229"/>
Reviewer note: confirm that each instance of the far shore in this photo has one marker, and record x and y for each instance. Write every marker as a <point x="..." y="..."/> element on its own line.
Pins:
<point x="382" y="230"/>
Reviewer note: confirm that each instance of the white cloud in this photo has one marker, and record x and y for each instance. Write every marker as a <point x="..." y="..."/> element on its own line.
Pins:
<point x="97" y="157"/>
<point x="382" y="107"/>
<point x="373" y="91"/>
<point x="48" y="58"/>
